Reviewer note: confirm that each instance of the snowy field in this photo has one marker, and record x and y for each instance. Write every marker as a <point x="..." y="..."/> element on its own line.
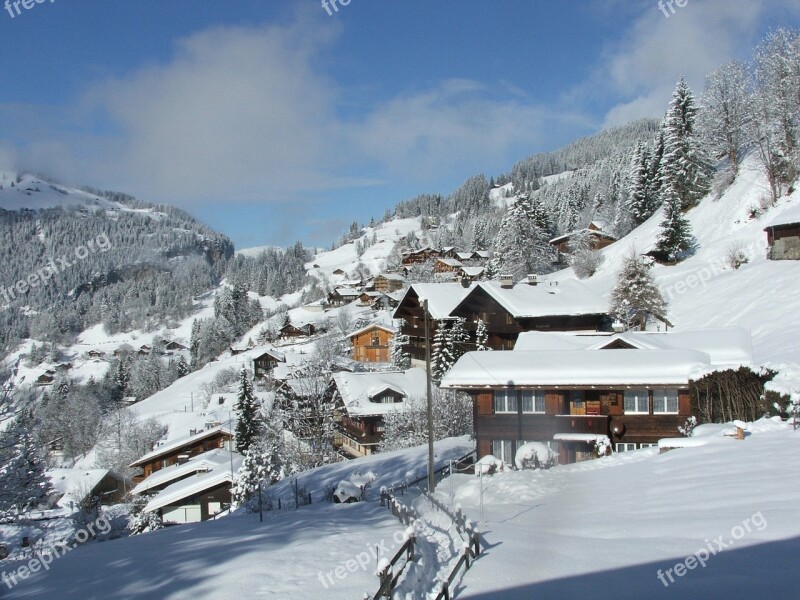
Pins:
<point x="607" y="528"/>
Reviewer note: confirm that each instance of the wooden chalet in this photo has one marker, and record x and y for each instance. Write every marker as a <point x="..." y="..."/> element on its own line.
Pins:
<point x="343" y="295"/>
<point x="46" y="378"/>
<point x="174" y="346"/>
<point x="442" y="299"/>
<point x="594" y="233"/>
<point x="371" y="343"/>
<point x="417" y="257"/>
<point x="783" y="236"/>
<point x="265" y="363"/>
<point x="195" y="490"/>
<point x="182" y="449"/>
<point x="339" y="272"/>
<point x="87" y="488"/>
<point x="576" y="393"/>
<point x="389" y="282"/>
<point x="508" y="310"/>
<point x="363" y="399"/>
<point x="295" y="331"/>
<point x="95" y="354"/>
<point x="447" y="265"/>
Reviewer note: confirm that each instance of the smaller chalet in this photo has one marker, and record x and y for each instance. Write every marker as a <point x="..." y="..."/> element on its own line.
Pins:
<point x="339" y="272"/>
<point x="343" y="295"/>
<point x="447" y="265"/>
<point x="420" y="256"/>
<point x="365" y="398"/>
<point x="265" y="363"/>
<point x="295" y="331"/>
<point x="783" y="236"/>
<point x="236" y="350"/>
<point x="597" y="238"/>
<point x="174" y="346"/>
<point x="196" y="490"/>
<point x="182" y="449"/>
<point x="95" y="354"/>
<point x="46" y="378"/>
<point x="389" y="282"/>
<point x="371" y="343"/>
<point x="86" y="488"/>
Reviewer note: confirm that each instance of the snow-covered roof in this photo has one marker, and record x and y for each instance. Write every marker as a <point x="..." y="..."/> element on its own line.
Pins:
<point x="75" y="484"/>
<point x="392" y="276"/>
<point x="566" y="236"/>
<point x="370" y="327"/>
<point x="343" y="291"/>
<point x="442" y="297"/>
<point x="451" y="262"/>
<point x="182" y="441"/>
<point x="464" y="255"/>
<point x="724" y="346"/>
<point x="203" y="462"/>
<point x="192" y="486"/>
<point x="473" y="271"/>
<point x="546" y="299"/>
<point x="279" y="356"/>
<point x="577" y="368"/>
<point x="356" y="389"/>
<point x="787" y="217"/>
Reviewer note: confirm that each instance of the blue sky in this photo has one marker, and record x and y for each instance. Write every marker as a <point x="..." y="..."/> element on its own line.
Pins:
<point x="273" y="121"/>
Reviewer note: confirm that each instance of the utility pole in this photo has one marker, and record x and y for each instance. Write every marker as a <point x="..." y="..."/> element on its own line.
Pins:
<point x="431" y="468"/>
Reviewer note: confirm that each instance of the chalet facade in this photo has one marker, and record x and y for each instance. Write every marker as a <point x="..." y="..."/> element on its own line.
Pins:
<point x="289" y="331"/>
<point x="371" y="343"/>
<point x="194" y="491"/>
<point x="264" y="364"/>
<point x="343" y="295"/>
<point x="595" y="236"/>
<point x="389" y="282"/>
<point x="506" y="310"/>
<point x="417" y="257"/>
<point x="576" y="393"/>
<point x="181" y="450"/>
<point x="363" y="400"/>
<point x="783" y="236"/>
<point x="447" y="265"/>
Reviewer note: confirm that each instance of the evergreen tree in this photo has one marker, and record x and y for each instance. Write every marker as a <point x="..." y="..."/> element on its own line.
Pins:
<point x="248" y="426"/>
<point x="521" y="246"/>
<point x="481" y="337"/>
<point x="684" y="168"/>
<point x="24" y="483"/>
<point x="439" y="352"/>
<point x="636" y="297"/>
<point x="638" y="202"/>
<point x="400" y="358"/>
<point x="675" y="237"/>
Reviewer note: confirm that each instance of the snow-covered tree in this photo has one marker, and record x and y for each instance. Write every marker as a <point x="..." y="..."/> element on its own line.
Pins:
<point x="584" y="259"/>
<point x="684" y="167"/>
<point x="521" y="246"/>
<point x="724" y="120"/>
<point x="24" y="483"/>
<point x="638" y="201"/>
<point x="124" y="438"/>
<point x="400" y="358"/>
<point x="675" y="237"/>
<point x="481" y="337"/>
<point x="636" y="297"/>
<point x="248" y="422"/>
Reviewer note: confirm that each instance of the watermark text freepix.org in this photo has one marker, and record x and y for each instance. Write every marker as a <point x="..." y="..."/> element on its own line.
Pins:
<point x="13" y="6"/>
<point x="44" y="557"/>
<point x="54" y="266"/>
<point x="663" y="5"/>
<point x="332" y="6"/>
<point x="712" y="548"/>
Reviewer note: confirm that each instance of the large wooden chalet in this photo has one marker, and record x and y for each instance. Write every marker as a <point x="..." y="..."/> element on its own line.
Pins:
<point x="363" y="400"/>
<point x="783" y="236"/>
<point x="389" y="282"/>
<point x="265" y="363"/>
<point x="505" y="309"/>
<point x="182" y="449"/>
<point x="570" y="392"/>
<point x="371" y="343"/>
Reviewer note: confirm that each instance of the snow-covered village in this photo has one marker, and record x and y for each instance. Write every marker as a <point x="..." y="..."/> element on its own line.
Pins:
<point x="489" y="300"/>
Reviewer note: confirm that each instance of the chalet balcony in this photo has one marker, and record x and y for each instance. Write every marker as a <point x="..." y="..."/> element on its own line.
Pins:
<point x="597" y="424"/>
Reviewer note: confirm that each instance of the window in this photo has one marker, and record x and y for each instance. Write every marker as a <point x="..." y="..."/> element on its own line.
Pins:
<point x="665" y="401"/>
<point x="503" y="449"/>
<point x="376" y="339"/>
<point x="625" y="447"/>
<point x="532" y="401"/>
<point x="636" y="401"/>
<point x="648" y="445"/>
<point x="505" y="401"/>
<point x="576" y="398"/>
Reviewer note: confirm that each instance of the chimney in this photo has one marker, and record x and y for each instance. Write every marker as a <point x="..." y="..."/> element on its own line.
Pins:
<point x="465" y="282"/>
<point x="533" y="279"/>
<point x="506" y="281"/>
<point x="618" y="327"/>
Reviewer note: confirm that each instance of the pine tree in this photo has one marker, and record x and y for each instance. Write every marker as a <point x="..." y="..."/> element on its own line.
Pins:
<point x="675" y="237"/>
<point x="481" y="337"/>
<point x="521" y="246"/>
<point x="638" y="203"/>
<point x="248" y="425"/>
<point x="685" y="171"/>
<point x="400" y="358"/>
<point x="636" y="297"/>
<point x="24" y="483"/>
